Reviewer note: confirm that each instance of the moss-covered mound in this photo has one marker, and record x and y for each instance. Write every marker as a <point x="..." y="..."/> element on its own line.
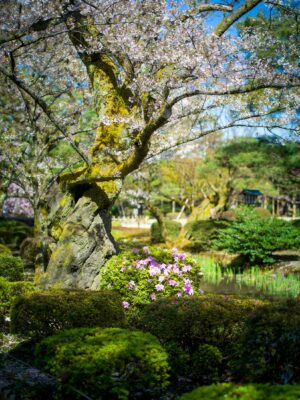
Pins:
<point x="228" y="391"/>
<point x="107" y="363"/>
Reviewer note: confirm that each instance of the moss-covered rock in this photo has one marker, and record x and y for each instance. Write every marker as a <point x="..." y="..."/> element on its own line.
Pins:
<point x="83" y="246"/>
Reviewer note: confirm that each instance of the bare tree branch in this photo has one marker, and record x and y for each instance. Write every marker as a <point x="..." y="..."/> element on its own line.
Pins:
<point x="44" y="106"/>
<point x="230" y="19"/>
<point x="232" y="91"/>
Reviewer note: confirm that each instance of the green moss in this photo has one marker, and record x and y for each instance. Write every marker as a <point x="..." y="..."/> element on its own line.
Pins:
<point x="107" y="363"/>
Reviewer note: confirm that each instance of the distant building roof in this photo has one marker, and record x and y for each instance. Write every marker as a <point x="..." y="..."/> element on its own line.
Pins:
<point x="252" y="192"/>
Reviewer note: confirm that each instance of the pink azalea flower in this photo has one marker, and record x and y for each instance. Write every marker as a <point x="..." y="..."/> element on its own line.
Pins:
<point x="161" y="278"/>
<point x="172" y="282"/>
<point x="188" y="287"/>
<point x="131" y="285"/>
<point x="154" y="271"/>
<point x="159" y="287"/>
<point x="176" y="269"/>
<point x="186" y="268"/>
<point x="150" y="260"/>
<point x="179" y="294"/>
<point x="179" y="256"/>
<point x="146" y="250"/>
<point x="153" y="296"/>
<point x="125" y="304"/>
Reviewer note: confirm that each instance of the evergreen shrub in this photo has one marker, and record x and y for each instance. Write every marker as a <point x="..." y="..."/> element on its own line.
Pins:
<point x="109" y="363"/>
<point x="228" y="391"/>
<point x="11" y="268"/>
<point x="45" y="313"/>
<point x="173" y="229"/>
<point x="256" y="237"/>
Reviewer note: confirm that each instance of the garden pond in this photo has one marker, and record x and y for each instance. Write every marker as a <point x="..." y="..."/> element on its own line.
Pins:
<point x="254" y="280"/>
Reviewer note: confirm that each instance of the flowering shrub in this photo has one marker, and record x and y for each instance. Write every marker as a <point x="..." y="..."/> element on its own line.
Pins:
<point x="143" y="276"/>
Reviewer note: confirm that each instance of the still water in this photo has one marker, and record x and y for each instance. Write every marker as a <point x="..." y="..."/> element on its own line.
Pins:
<point x="254" y="280"/>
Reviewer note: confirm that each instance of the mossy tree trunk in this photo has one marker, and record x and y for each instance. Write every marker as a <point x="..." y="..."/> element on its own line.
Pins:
<point x="158" y="215"/>
<point x="79" y="220"/>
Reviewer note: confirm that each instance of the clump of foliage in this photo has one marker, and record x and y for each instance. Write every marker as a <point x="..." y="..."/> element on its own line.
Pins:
<point x="29" y="250"/>
<point x="9" y="291"/>
<point x="172" y="230"/>
<point x="269" y="347"/>
<point x="202" y="233"/>
<point x="43" y="314"/>
<point x="206" y="363"/>
<point x="199" y="334"/>
<point x="11" y="268"/>
<point x="106" y="363"/>
<point x="256" y="237"/>
<point x="146" y="275"/>
<point x="229" y="391"/>
<point x="4" y="249"/>
<point x="13" y="232"/>
<point x="216" y="336"/>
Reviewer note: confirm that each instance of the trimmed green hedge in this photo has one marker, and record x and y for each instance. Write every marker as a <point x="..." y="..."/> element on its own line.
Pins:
<point x="202" y="233"/>
<point x="228" y="391"/>
<point x="172" y="227"/>
<point x="8" y="293"/>
<point x="200" y="334"/>
<point x="269" y="347"/>
<point x="107" y="363"/>
<point x="45" y="313"/>
<point x="216" y="336"/>
<point x="11" y="268"/>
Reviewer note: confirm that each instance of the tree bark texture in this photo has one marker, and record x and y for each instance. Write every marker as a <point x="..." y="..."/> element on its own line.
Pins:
<point x="80" y="231"/>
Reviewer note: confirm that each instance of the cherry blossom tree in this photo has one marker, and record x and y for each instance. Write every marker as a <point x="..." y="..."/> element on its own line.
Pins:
<point x="141" y="67"/>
